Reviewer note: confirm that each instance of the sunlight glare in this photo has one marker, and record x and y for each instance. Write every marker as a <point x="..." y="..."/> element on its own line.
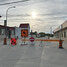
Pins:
<point x="33" y="14"/>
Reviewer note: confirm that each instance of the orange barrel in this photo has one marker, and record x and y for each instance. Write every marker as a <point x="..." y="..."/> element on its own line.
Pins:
<point x="5" y="41"/>
<point x="60" y="43"/>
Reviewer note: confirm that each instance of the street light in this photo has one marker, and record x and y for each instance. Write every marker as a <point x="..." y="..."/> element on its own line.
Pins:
<point x="5" y="24"/>
<point x="7" y="14"/>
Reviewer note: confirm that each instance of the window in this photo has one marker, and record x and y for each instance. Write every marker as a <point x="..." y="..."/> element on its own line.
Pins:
<point x="64" y="34"/>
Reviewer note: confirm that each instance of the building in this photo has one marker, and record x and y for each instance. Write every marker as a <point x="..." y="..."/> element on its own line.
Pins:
<point x="25" y="26"/>
<point x="61" y="31"/>
<point x="6" y="31"/>
<point x="21" y="27"/>
<point x="13" y="32"/>
<point x="34" y="34"/>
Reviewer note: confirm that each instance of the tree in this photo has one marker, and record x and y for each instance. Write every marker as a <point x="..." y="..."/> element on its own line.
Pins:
<point x="50" y="35"/>
<point x="33" y="33"/>
<point x="42" y="34"/>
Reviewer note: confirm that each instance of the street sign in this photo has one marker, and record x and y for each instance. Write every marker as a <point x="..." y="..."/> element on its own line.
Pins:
<point x="32" y="39"/>
<point x="24" y="33"/>
<point x="13" y="41"/>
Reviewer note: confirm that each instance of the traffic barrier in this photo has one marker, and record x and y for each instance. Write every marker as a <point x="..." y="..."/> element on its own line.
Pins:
<point x="23" y="41"/>
<point x="48" y="40"/>
<point x="39" y="40"/>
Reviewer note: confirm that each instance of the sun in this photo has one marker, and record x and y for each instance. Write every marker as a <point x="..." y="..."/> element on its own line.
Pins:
<point x="34" y="14"/>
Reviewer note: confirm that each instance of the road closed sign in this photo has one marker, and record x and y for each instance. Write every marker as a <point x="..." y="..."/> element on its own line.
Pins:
<point x="24" y="33"/>
<point x="32" y="39"/>
<point x="13" y="41"/>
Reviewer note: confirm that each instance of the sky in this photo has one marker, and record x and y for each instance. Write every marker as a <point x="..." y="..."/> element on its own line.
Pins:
<point x="42" y="15"/>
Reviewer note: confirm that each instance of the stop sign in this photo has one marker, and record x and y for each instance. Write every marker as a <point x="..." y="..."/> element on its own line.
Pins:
<point x="32" y="39"/>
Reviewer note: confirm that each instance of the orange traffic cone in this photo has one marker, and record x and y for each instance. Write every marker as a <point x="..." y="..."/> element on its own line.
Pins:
<point x="5" y="41"/>
<point x="60" y="44"/>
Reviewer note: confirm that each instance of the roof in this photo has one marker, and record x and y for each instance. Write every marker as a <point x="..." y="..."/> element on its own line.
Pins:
<point x="3" y="26"/>
<point x="6" y="27"/>
<point x="24" y="25"/>
<point x="63" y="26"/>
<point x="11" y="28"/>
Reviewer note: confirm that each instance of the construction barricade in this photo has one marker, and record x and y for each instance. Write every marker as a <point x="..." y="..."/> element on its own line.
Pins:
<point x="49" y="40"/>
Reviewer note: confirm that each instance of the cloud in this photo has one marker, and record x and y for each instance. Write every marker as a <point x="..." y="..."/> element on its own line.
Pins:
<point x="49" y="13"/>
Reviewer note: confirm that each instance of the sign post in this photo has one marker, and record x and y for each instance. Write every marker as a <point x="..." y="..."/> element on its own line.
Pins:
<point x="32" y="40"/>
<point x="24" y="34"/>
<point x="40" y="44"/>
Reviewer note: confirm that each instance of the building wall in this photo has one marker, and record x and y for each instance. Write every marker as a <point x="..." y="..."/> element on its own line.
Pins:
<point x="61" y="31"/>
<point x="64" y="25"/>
<point x="17" y="32"/>
<point x="2" y="32"/>
<point x="12" y="34"/>
<point x="61" y="34"/>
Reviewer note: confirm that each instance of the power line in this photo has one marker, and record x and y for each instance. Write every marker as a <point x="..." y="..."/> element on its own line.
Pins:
<point x="13" y="2"/>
